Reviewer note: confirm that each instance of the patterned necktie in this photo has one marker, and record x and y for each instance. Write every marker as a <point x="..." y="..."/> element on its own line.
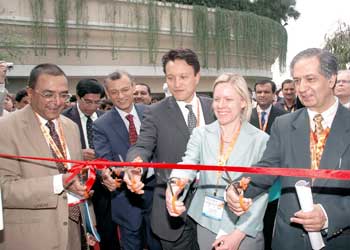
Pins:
<point x="262" y="118"/>
<point x="74" y="211"/>
<point x="191" y="118"/>
<point x="132" y="129"/>
<point x="319" y="142"/>
<point x="89" y="131"/>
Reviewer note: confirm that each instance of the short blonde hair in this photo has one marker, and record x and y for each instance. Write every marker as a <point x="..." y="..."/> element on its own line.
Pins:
<point x="240" y="85"/>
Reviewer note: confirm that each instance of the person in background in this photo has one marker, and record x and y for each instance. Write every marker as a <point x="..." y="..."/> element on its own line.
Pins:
<point x="342" y="88"/>
<point x="289" y="101"/>
<point x="231" y="141"/>
<point x="142" y="93"/>
<point x="21" y="99"/>
<point x="105" y="105"/>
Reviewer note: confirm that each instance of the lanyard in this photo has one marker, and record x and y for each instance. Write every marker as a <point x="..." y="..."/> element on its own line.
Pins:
<point x="263" y="128"/>
<point x="223" y="156"/>
<point x="59" y="154"/>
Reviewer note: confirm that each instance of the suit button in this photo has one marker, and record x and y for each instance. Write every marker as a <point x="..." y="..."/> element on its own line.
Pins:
<point x="64" y="196"/>
<point x="65" y="223"/>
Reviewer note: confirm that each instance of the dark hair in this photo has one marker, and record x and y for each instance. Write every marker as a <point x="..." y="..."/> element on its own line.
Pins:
<point x="89" y="86"/>
<point x="146" y="85"/>
<point x="118" y="74"/>
<point x="20" y="94"/>
<point x="182" y="54"/>
<point x="266" y="81"/>
<point x="286" y="82"/>
<point x="105" y="102"/>
<point x="41" y="69"/>
<point x="73" y="98"/>
<point x="328" y="62"/>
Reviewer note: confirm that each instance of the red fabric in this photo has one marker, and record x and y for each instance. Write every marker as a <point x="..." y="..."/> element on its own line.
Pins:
<point x="132" y="129"/>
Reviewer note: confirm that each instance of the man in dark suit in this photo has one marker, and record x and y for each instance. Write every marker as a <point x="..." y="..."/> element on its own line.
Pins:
<point x="164" y="135"/>
<point x="89" y="93"/>
<point x="265" y="113"/>
<point x="316" y="137"/>
<point x="114" y="133"/>
<point x="263" y="117"/>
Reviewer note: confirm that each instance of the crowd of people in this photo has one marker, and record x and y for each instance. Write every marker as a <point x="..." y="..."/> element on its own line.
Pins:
<point x="151" y="208"/>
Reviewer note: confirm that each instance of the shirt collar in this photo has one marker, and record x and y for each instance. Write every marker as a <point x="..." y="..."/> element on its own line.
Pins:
<point x="328" y="115"/>
<point x="123" y="113"/>
<point x="83" y="116"/>
<point x="194" y="103"/>
<point x="268" y="110"/>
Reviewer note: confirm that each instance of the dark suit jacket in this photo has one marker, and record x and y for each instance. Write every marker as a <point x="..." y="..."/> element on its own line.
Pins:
<point x="163" y="138"/>
<point x="275" y="112"/>
<point x="111" y="139"/>
<point x="73" y="114"/>
<point x="289" y="147"/>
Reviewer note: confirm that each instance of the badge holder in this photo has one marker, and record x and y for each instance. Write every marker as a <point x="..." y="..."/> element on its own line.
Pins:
<point x="238" y="187"/>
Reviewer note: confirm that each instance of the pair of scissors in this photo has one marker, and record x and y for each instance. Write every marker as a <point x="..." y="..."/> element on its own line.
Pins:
<point x="238" y="187"/>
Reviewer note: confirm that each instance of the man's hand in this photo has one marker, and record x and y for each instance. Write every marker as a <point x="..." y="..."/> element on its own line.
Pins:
<point x="235" y="203"/>
<point x="107" y="180"/>
<point x="230" y="241"/>
<point x="312" y="221"/>
<point x="89" y="154"/>
<point x="74" y="186"/>
<point x="132" y="178"/>
<point x="175" y="208"/>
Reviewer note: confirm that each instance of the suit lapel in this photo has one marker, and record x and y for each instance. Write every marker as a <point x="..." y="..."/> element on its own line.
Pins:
<point x="300" y="136"/>
<point x="177" y="117"/>
<point x="207" y="110"/>
<point x="118" y="126"/>
<point x="254" y="120"/>
<point x="34" y="136"/>
<point x="337" y="142"/>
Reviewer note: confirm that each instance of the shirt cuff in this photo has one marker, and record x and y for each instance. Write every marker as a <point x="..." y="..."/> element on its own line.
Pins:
<point x="57" y="184"/>
<point x="325" y="227"/>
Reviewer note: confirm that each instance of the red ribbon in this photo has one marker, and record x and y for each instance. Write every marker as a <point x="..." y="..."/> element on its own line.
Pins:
<point x="102" y="164"/>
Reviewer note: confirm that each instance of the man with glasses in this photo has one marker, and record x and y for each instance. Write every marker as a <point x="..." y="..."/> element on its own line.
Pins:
<point x="38" y="203"/>
<point x="342" y="88"/>
<point x="89" y="93"/>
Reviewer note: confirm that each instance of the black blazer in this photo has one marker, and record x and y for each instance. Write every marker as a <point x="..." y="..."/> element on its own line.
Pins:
<point x="73" y="114"/>
<point x="275" y="112"/>
<point x="163" y="138"/>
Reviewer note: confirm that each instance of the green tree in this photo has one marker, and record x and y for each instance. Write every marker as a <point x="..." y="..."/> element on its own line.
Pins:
<point x="339" y="44"/>
<point x="10" y="45"/>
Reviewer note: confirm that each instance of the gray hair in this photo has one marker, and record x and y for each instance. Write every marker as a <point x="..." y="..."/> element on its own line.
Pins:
<point x="328" y="62"/>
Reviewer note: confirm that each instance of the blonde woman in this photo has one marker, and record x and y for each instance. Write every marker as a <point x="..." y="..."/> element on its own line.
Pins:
<point x="230" y="141"/>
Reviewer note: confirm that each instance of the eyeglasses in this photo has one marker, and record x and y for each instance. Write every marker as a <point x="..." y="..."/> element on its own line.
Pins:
<point x="90" y="102"/>
<point x="51" y="96"/>
<point x="343" y="81"/>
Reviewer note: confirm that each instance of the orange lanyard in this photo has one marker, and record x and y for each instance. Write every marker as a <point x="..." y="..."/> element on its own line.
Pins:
<point x="59" y="154"/>
<point x="223" y="156"/>
<point x="263" y="128"/>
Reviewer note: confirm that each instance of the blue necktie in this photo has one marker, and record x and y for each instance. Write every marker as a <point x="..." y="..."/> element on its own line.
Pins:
<point x="263" y="114"/>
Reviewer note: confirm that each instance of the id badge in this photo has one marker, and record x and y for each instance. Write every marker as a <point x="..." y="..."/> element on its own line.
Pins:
<point x="213" y="207"/>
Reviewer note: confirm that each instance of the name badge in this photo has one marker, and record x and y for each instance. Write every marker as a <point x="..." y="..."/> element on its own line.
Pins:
<point x="213" y="207"/>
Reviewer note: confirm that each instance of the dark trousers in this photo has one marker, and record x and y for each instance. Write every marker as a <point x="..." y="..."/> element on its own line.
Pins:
<point x="269" y="221"/>
<point x="137" y="240"/>
<point x="188" y="239"/>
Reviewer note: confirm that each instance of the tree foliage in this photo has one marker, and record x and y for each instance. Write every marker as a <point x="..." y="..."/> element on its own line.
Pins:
<point x="278" y="10"/>
<point x="339" y="44"/>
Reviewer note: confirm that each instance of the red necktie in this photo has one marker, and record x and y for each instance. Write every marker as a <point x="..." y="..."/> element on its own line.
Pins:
<point x="132" y="129"/>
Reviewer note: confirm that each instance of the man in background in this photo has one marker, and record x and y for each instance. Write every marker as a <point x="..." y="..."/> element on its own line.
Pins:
<point x="289" y="101"/>
<point x="342" y="88"/>
<point x="142" y="93"/>
<point x="21" y="99"/>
